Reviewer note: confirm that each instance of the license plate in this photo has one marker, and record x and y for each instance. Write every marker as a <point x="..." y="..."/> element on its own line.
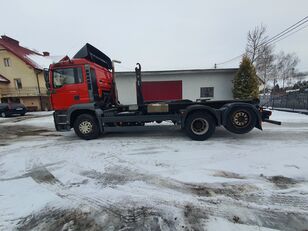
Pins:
<point x="19" y="109"/>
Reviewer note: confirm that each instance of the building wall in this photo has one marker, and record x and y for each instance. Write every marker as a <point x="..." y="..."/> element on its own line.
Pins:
<point x="18" y="69"/>
<point x="191" y="83"/>
<point x="2" y="85"/>
<point x="31" y="102"/>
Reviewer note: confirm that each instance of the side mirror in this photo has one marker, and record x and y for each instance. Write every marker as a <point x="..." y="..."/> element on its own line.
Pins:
<point x="46" y="77"/>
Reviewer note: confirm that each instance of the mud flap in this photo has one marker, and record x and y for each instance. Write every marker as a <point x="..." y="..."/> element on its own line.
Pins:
<point x="259" y="124"/>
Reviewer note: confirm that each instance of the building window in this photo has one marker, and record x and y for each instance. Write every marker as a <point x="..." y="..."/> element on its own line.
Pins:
<point x="18" y="84"/>
<point x="14" y="100"/>
<point x="4" y="100"/>
<point x="206" y="92"/>
<point x="7" y="62"/>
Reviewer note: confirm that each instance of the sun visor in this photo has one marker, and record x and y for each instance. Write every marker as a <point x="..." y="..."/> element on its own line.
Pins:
<point x="93" y="54"/>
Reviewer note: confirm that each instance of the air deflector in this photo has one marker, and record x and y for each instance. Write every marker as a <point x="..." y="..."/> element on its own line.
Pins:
<point x="93" y="54"/>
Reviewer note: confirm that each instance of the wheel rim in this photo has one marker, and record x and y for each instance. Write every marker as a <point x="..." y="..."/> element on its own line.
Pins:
<point x="199" y="126"/>
<point x="85" y="127"/>
<point x="241" y="119"/>
<point x="2" y="114"/>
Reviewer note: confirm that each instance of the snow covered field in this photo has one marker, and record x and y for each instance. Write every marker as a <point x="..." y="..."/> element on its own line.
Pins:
<point x="155" y="180"/>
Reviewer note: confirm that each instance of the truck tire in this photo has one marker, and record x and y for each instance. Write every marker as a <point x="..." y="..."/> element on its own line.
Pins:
<point x="240" y="120"/>
<point x="86" y="127"/>
<point x="200" y="126"/>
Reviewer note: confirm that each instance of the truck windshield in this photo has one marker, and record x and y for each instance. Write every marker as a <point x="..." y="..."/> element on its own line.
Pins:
<point x="63" y="76"/>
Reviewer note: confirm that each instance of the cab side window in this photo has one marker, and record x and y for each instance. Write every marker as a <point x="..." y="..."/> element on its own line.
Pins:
<point x="66" y="76"/>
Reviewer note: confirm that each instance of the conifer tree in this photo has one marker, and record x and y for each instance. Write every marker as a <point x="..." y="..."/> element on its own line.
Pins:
<point x="246" y="85"/>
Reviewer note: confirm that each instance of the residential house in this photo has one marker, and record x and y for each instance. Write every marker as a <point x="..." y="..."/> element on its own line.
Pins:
<point x="21" y="75"/>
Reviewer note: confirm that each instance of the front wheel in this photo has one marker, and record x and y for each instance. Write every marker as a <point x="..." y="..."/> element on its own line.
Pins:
<point x="86" y="127"/>
<point x="200" y="126"/>
<point x="3" y="114"/>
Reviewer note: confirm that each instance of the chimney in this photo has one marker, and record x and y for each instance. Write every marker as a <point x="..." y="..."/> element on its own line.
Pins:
<point x="46" y="53"/>
<point x="10" y="40"/>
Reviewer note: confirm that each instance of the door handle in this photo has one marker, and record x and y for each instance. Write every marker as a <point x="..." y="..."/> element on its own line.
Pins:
<point x="76" y="97"/>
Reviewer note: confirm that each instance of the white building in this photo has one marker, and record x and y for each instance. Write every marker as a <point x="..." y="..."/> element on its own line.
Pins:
<point x="215" y="84"/>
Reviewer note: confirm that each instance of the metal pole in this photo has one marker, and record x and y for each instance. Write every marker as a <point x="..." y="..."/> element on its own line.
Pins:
<point x="39" y="89"/>
<point x="273" y="94"/>
<point x="115" y="90"/>
<point x="307" y="100"/>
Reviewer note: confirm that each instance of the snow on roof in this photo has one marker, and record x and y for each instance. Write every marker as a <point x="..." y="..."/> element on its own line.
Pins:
<point x="293" y="90"/>
<point x="30" y="57"/>
<point x="42" y="62"/>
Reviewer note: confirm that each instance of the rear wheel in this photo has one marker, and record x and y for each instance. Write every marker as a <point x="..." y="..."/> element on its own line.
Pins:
<point x="241" y="120"/>
<point x="86" y="127"/>
<point x="200" y="126"/>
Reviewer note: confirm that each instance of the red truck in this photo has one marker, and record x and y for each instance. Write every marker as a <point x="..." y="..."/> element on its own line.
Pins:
<point x="84" y="96"/>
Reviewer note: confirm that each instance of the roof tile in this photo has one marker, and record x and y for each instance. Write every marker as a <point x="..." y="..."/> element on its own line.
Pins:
<point x="13" y="46"/>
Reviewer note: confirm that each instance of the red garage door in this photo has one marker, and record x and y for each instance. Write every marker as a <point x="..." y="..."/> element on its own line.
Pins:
<point x="162" y="90"/>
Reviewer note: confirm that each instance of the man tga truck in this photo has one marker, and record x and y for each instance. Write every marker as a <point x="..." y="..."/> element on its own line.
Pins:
<point x="84" y="96"/>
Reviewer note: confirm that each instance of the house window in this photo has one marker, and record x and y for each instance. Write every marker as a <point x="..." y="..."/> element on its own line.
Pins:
<point x="4" y="100"/>
<point x="14" y="100"/>
<point x="18" y="84"/>
<point x="7" y="62"/>
<point x="206" y="92"/>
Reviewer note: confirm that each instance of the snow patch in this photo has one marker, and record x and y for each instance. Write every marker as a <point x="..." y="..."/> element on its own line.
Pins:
<point x="43" y="61"/>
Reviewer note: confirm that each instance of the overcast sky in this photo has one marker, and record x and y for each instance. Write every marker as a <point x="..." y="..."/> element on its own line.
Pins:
<point x="160" y="34"/>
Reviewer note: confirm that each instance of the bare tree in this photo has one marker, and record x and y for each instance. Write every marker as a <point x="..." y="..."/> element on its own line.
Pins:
<point x="261" y="53"/>
<point x="265" y="65"/>
<point x="286" y="68"/>
<point x="255" y="40"/>
<point x="301" y="76"/>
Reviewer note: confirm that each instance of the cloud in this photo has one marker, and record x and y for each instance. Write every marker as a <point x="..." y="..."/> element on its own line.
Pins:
<point x="160" y="34"/>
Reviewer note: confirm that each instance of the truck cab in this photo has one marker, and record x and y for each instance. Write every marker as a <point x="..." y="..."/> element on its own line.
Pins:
<point x="80" y="80"/>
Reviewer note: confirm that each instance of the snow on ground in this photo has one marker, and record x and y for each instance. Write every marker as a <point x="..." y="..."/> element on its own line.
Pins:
<point x="296" y="118"/>
<point x="157" y="180"/>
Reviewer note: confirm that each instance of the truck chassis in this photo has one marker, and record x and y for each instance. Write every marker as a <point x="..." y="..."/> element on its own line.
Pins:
<point x="198" y="119"/>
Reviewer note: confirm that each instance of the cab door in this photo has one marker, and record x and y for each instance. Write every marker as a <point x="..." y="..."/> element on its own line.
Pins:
<point x="66" y="87"/>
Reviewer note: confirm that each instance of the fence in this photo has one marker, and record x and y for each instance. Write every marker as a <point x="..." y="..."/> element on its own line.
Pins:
<point x="292" y="100"/>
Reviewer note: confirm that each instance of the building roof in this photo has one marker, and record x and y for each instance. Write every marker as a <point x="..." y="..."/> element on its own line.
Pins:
<point x="33" y="58"/>
<point x="3" y="79"/>
<point x="176" y="72"/>
<point x="182" y="72"/>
